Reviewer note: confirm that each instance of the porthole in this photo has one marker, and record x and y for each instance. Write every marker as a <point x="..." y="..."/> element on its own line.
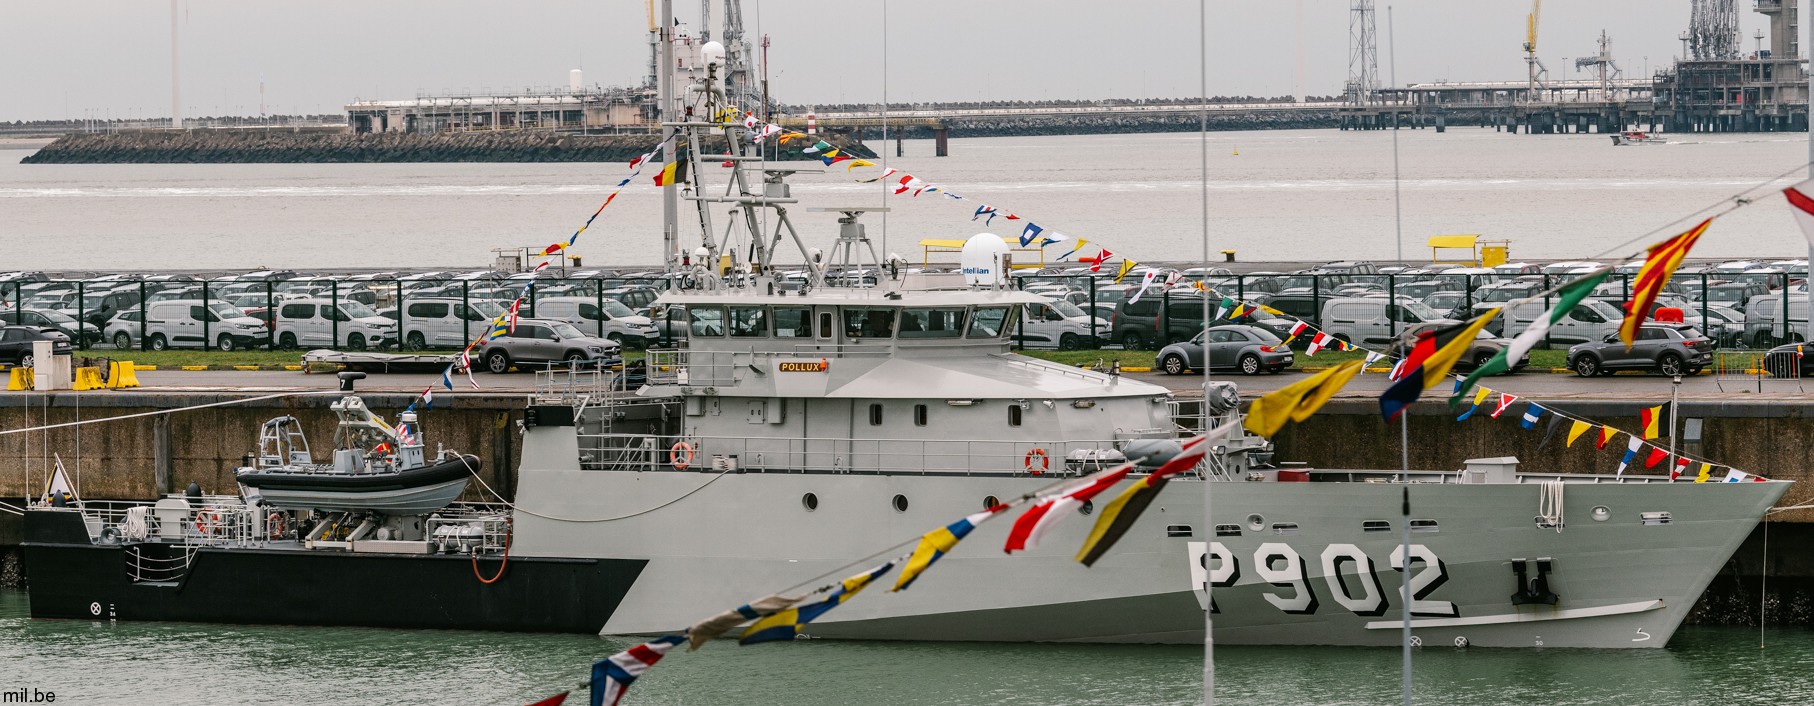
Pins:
<point x="990" y="501"/>
<point x="1375" y="526"/>
<point x="1601" y="513"/>
<point x="1177" y="531"/>
<point x="900" y="503"/>
<point x="1255" y="522"/>
<point x="1228" y="530"/>
<point x="810" y="502"/>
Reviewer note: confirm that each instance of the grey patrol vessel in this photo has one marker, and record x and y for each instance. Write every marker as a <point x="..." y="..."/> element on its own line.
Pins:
<point x="804" y="425"/>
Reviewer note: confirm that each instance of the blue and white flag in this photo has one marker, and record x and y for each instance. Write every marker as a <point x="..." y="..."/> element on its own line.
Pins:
<point x="1052" y="238"/>
<point x="1631" y="452"/>
<point x="428" y="397"/>
<point x="613" y="675"/>
<point x="446" y="380"/>
<point x="984" y="210"/>
<point x="1029" y="233"/>
<point x="1531" y="414"/>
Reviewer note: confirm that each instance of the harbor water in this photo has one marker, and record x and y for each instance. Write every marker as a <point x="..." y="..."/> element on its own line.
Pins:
<point x="177" y="663"/>
<point x="1288" y="195"/>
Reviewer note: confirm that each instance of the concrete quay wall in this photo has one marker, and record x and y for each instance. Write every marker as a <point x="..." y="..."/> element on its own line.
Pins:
<point x="144" y="457"/>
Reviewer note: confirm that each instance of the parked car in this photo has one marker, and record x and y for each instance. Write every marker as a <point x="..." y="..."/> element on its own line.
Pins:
<point x="637" y="298"/>
<point x="1764" y="326"/>
<point x="51" y="318"/>
<point x="1790" y="360"/>
<point x="1591" y="320"/>
<point x="1375" y="319"/>
<point x="443" y="322"/>
<point x="1724" y="325"/>
<point x="545" y="341"/>
<point x="319" y="322"/>
<point x="1249" y="349"/>
<point x="1670" y="349"/>
<point x="1733" y="294"/>
<point x="16" y="344"/>
<point x="1447" y="302"/>
<point x="614" y="320"/>
<point x="186" y="323"/>
<point x="1059" y="325"/>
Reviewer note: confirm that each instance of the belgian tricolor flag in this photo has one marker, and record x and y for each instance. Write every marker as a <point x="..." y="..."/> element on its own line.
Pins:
<point x="1429" y="362"/>
<point x="674" y="173"/>
<point x="1655" y="420"/>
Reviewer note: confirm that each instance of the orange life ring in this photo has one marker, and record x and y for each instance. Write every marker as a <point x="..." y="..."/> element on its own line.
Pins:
<point x="274" y="525"/>
<point x="676" y="459"/>
<point x="207" y="521"/>
<point x="1045" y="462"/>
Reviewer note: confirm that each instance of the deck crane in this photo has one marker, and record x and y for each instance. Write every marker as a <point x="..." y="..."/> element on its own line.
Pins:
<point x="1539" y="73"/>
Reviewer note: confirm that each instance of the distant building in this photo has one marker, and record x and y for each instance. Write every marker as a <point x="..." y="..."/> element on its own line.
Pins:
<point x="576" y="109"/>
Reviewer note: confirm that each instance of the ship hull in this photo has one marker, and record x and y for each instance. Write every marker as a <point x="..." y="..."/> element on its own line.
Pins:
<point x="1304" y="568"/>
<point x="68" y="577"/>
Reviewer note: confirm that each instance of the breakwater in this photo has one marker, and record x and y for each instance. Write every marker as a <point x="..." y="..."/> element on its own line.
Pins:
<point x="296" y="145"/>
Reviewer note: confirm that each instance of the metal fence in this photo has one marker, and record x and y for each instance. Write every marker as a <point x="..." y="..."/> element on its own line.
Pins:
<point x="1736" y="309"/>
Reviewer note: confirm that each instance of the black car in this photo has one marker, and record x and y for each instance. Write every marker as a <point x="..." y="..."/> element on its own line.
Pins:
<point x="1670" y="349"/>
<point x="16" y="343"/>
<point x="1792" y="360"/>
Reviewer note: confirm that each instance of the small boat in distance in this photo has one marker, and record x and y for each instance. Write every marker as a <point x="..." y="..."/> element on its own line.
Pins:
<point x="1637" y="137"/>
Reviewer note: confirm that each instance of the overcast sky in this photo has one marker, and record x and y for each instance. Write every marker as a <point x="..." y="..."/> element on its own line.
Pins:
<point x="73" y="58"/>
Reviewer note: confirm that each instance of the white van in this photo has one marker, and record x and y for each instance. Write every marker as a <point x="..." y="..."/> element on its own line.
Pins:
<point x="1059" y="324"/>
<point x="615" y="321"/>
<point x="319" y="322"/>
<point x="187" y="323"/>
<point x="445" y="321"/>
<point x="1590" y="321"/>
<point x="1371" y="319"/>
<point x="1763" y="320"/>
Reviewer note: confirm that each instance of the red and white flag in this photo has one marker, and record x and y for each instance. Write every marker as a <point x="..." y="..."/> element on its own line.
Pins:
<point x="1318" y="343"/>
<point x="1505" y="400"/>
<point x="1048" y="511"/>
<point x="1801" y="203"/>
<point x="1681" y="466"/>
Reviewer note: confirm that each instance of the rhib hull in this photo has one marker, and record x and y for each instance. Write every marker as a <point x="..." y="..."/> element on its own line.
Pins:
<point x="1295" y="564"/>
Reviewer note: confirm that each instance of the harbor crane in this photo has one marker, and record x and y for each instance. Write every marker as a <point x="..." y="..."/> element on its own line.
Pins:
<point x="1539" y="74"/>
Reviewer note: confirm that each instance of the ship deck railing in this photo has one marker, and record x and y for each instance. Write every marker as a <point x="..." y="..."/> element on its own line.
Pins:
<point x="204" y="521"/>
<point x="577" y="386"/>
<point x="841" y="455"/>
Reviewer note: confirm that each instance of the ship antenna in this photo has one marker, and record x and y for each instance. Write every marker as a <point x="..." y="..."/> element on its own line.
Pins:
<point x="1404" y="420"/>
<point x="1209" y="613"/>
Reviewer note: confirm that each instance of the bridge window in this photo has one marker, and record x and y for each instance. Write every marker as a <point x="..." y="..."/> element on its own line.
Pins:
<point x="932" y="323"/>
<point x="793" y="322"/>
<point x="987" y="323"/>
<point x="868" y="323"/>
<point x="706" y="320"/>
<point x="919" y="415"/>
<point x="1014" y="415"/>
<point x="749" y="321"/>
<point x="875" y="415"/>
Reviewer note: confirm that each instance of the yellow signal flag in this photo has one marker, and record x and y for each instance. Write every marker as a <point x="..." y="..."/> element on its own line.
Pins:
<point x="1126" y="266"/>
<point x="1297" y="401"/>
<point x="1576" y="430"/>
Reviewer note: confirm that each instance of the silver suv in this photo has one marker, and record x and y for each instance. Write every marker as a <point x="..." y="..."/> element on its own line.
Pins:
<point x="545" y="341"/>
